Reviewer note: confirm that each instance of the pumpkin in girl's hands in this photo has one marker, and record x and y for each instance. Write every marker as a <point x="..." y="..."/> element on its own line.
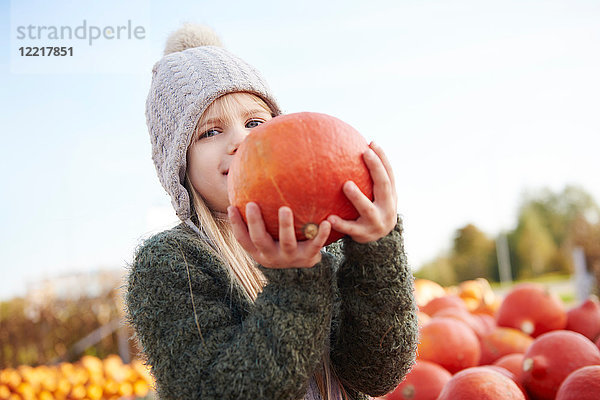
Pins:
<point x="301" y="161"/>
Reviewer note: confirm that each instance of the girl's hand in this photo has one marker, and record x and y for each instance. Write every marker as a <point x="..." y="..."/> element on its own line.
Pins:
<point x="378" y="217"/>
<point x="285" y="253"/>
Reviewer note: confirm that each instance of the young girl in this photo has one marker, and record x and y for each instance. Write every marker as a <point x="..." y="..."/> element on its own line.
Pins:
<point x="221" y="310"/>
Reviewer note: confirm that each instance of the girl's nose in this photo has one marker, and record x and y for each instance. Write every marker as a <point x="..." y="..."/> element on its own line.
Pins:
<point x="237" y="137"/>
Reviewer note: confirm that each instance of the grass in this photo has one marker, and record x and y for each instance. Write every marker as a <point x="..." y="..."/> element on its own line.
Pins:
<point x="553" y="277"/>
<point x="558" y="283"/>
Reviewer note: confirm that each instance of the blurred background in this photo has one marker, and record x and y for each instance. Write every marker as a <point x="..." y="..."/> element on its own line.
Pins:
<point x="487" y="110"/>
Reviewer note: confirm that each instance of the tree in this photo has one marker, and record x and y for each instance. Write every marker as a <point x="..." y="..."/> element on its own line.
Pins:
<point x="534" y="245"/>
<point x="474" y="254"/>
<point x="439" y="270"/>
<point x="543" y="239"/>
<point x="558" y="211"/>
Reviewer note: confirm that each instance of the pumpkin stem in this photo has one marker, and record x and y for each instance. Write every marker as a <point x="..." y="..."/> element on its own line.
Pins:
<point x="310" y="230"/>
<point x="527" y="327"/>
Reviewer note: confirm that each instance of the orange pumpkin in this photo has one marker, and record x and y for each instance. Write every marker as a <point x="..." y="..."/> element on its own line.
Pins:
<point x="532" y="309"/>
<point x="301" y="161"/>
<point x="511" y="362"/>
<point x="501" y="342"/>
<point x="585" y="318"/>
<point x="439" y="303"/>
<point x="582" y="384"/>
<point x="481" y="383"/>
<point x="551" y="358"/>
<point x="426" y="290"/>
<point x="425" y="381"/>
<point x="449" y="343"/>
<point x="463" y="315"/>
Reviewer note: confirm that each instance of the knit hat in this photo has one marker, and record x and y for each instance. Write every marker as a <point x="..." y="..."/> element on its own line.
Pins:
<point x="193" y="73"/>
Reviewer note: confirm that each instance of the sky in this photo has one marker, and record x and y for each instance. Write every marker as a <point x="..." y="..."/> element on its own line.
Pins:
<point x="473" y="102"/>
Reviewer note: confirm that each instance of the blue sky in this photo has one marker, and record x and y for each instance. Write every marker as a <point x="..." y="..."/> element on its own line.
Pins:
<point x="473" y="101"/>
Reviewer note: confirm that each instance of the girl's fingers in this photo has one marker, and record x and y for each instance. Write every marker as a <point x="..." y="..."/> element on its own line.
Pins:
<point x="257" y="231"/>
<point x="287" y="235"/>
<point x="240" y="230"/>
<point x="362" y="203"/>
<point x="287" y="252"/>
<point x="382" y="185"/>
<point x="346" y="227"/>
<point x="386" y="162"/>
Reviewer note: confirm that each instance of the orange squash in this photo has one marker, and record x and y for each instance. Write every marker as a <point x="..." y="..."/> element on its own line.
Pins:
<point x="511" y="362"/>
<point x="532" y="309"/>
<point x="551" y="358"/>
<point x="426" y="290"/>
<point x="301" y="161"/>
<point x="425" y="381"/>
<point x="481" y="383"/>
<point x="449" y="343"/>
<point x="439" y="303"/>
<point x="585" y="318"/>
<point x="582" y="384"/>
<point x="463" y="315"/>
<point x="501" y="342"/>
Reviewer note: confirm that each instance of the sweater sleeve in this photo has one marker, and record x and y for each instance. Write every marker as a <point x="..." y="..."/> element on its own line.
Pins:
<point x="374" y="344"/>
<point x="265" y="350"/>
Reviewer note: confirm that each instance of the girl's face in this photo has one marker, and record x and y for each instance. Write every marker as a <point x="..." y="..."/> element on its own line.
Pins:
<point x="221" y="129"/>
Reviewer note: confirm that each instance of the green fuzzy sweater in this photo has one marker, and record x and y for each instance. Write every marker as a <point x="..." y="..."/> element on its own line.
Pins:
<point x="357" y="302"/>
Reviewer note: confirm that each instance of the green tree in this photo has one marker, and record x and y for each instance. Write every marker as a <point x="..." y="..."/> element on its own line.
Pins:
<point x="473" y="254"/>
<point x="439" y="270"/>
<point x="534" y="245"/>
<point x="558" y="211"/>
<point x="543" y="239"/>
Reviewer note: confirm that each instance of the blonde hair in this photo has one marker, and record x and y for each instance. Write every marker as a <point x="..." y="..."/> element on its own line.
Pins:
<point x="240" y="266"/>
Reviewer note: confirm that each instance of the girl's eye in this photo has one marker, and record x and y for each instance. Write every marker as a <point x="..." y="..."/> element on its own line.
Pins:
<point x="209" y="133"/>
<point x="253" y="123"/>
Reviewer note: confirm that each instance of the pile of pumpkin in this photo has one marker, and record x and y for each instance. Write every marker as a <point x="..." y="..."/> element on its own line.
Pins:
<point x="526" y="345"/>
<point x="90" y="378"/>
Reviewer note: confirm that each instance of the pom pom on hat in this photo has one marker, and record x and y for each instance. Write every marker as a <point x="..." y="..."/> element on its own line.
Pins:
<point x="190" y="36"/>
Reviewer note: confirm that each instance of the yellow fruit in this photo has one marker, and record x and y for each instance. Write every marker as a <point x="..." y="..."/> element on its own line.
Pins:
<point x="94" y="391"/>
<point x="45" y="395"/>
<point x="62" y="387"/>
<point x="26" y="391"/>
<point x="125" y="389"/>
<point x="111" y="387"/>
<point x="140" y="388"/>
<point x="91" y="363"/>
<point x="4" y="391"/>
<point x="11" y="378"/>
<point x="78" y="392"/>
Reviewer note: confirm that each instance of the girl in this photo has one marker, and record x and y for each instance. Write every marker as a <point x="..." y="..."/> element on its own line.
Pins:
<point x="221" y="310"/>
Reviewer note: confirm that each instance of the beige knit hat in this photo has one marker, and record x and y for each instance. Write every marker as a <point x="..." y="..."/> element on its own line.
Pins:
<point x="193" y="73"/>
